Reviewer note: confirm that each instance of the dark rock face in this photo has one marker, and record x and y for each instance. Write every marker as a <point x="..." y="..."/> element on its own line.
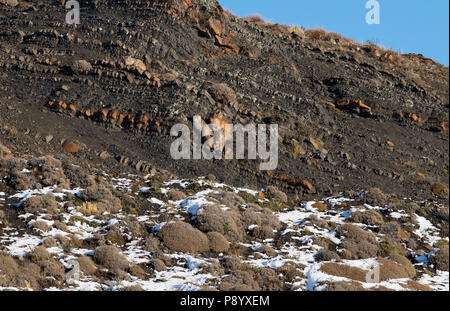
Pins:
<point x="381" y="118"/>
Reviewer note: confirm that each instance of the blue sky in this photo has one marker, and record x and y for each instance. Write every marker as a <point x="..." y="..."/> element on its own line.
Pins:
<point x="409" y="26"/>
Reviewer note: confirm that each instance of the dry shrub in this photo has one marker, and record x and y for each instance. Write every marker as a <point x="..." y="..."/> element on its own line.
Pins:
<point x="256" y="215"/>
<point x="41" y="204"/>
<point x="158" y="265"/>
<point x="132" y="226"/>
<point x="39" y="254"/>
<point x="333" y="36"/>
<point x="69" y="242"/>
<point x="217" y="242"/>
<point x="23" y="275"/>
<point x="291" y="272"/>
<point x="255" y="19"/>
<point x="344" y="287"/>
<point x="267" y="279"/>
<point x="326" y="255"/>
<point x="389" y="247"/>
<point x="137" y="271"/>
<point x="95" y="241"/>
<point x="416" y="286"/>
<point x="239" y="281"/>
<point x="265" y="249"/>
<point x="375" y="197"/>
<point x="77" y="176"/>
<point x="12" y="167"/>
<point x="50" y="172"/>
<point x="53" y="270"/>
<point x="229" y="199"/>
<point x="182" y="237"/>
<point x="263" y="232"/>
<point x="358" y="243"/>
<point x="8" y="271"/>
<point x="60" y="226"/>
<point x="345" y="271"/>
<point x="103" y="199"/>
<point x="133" y="288"/>
<point x="440" y="259"/>
<point x="87" y="265"/>
<point x="369" y="217"/>
<point x="214" y="268"/>
<point x="11" y="163"/>
<point x="389" y="269"/>
<point x="274" y="193"/>
<point x="228" y="223"/>
<point x="316" y="34"/>
<point x="222" y="93"/>
<point x="28" y="275"/>
<point x="41" y="225"/>
<point x="115" y="236"/>
<point x="176" y="195"/>
<point x="253" y="279"/>
<point x="151" y="244"/>
<point x="110" y="257"/>
<point x="88" y="209"/>
<point x="393" y="231"/>
<point x="296" y="30"/>
<point x="165" y="259"/>
<point x="316" y="221"/>
<point x="231" y="263"/>
<point x="403" y="261"/>
<point x="49" y="242"/>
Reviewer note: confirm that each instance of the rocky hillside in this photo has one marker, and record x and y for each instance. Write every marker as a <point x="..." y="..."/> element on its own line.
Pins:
<point x="85" y="116"/>
<point x="152" y="232"/>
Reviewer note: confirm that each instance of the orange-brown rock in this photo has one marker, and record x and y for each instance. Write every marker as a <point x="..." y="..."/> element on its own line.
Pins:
<point x="326" y="102"/>
<point x="72" y="108"/>
<point x="414" y="117"/>
<point x="121" y="117"/>
<point x="350" y="104"/>
<point x="320" y="206"/>
<point x="307" y="185"/>
<point x="113" y="114"/>
<point x="70" y="146"/>
<point x="62" y="104"/>
<point x="87" y="113"/>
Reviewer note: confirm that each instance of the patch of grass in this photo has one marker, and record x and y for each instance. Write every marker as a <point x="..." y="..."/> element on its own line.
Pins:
<point x="440" y="243"/>
<point x="250" y="268"/>
<point x="226" y="228"/>
<point x="248" y="197"/>
<point x="273" y="205"/>
<point x="303" y="128"/>
<point x="389" y="248"/>
<point x="196" y="187"/>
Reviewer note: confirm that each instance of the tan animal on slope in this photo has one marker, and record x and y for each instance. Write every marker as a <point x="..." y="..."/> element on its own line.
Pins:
<point x="219" y="120"/>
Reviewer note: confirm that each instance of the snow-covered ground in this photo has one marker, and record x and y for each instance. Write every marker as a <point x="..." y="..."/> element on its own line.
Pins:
<point x="299" y="247"/>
